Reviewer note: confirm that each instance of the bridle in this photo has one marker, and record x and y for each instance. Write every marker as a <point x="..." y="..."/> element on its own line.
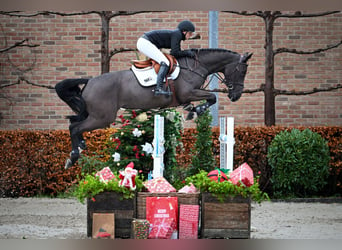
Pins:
<point x="227" y="81"/>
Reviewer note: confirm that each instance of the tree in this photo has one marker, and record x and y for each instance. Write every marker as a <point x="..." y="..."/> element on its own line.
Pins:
<point x="105" y="16"/>
<point x="268" y="88"/>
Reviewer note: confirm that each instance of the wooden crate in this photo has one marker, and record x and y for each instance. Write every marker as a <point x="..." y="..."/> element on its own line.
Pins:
<point x="187" y="199"/>
<point x="230" y="219"/>
<point x="109" y="202"/>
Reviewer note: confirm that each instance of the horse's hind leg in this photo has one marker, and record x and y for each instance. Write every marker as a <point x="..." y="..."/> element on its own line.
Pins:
<point x="77" y="129"/>
<point x="82" y="143"/>
<point x="76" y="139"/>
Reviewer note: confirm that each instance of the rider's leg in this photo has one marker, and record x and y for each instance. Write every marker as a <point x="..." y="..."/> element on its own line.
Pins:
<point x="150" y="50"/>
<point x="164" y="68"/>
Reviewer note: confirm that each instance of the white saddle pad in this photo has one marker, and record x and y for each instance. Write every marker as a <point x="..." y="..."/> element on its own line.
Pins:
<point x="148" y="77"/>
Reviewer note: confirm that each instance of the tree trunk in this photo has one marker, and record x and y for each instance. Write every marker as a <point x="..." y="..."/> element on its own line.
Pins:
<point x="269" y="108"/>
<point x="105" y="58"/>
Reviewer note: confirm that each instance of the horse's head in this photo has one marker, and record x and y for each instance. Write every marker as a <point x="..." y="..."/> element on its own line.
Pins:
<point x="234" y="74"/>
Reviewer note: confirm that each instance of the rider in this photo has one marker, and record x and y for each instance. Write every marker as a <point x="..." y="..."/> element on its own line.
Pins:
<point x="150" y="43"/>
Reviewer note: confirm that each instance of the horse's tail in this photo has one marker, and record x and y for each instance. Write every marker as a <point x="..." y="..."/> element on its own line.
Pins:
<point x="71" y="93"/>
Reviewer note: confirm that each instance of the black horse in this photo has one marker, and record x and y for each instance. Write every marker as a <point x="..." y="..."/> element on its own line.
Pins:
<point x="96" y="105"/>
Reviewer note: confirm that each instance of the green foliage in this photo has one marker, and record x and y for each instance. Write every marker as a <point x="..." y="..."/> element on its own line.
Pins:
<point x="202" y="153"/>
<point x="32" y="162"/>
<point x="127" y="143"/>
<point x="224" y="189"/>
<point x="90" y="186"/>
<point x="300" y="163"/>
<point x="91" y="164"/>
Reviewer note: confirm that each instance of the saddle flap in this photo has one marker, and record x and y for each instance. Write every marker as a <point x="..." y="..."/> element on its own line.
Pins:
<point x="141" y="64"/>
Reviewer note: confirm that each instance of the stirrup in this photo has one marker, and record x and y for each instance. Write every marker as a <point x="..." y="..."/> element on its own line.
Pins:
<point x="160" y="91"/>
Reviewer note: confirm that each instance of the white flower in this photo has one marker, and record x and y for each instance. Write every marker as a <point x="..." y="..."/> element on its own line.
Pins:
<point x="136" y="132"/>
<point x="147" y="148"/>
<point x="116" y="157"/>
<point x="142" y="117"/>
<point x="171" y="116"/>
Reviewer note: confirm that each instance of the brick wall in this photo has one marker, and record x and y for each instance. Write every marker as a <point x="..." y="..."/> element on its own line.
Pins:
<point x="69" y="48"/>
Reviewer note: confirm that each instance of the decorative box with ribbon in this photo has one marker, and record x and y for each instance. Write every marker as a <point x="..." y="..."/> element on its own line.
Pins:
<point x="162" y="228"/>
<point x="159" y="185"/>
<point x="105" y="175"/>
<point x="188" y="221"/>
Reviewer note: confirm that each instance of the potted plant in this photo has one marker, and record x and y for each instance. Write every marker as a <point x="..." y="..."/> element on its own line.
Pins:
<point x="109" y="197"/>
<point x="226" y="207"/>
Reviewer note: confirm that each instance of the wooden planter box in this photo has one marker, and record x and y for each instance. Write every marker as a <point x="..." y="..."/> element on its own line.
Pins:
<point x="109" y="202"/>
<point x="230" y="219"/>
<point x="186" y="199"/>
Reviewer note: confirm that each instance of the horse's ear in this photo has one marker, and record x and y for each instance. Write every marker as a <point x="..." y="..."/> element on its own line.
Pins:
<point x="246" y="57"/>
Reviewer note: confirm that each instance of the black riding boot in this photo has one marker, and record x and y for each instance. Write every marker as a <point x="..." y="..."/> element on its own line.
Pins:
<point x="164" y="68"/>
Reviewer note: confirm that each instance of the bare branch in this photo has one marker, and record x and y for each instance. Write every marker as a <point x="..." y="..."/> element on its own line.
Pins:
<point x="10" y="84"/>
<point x="308" y="92"/>
<point x="35" y="84"/>
<point x="247" y="91"/>
<point x="129" y="13"/>
<point x="278" y="14"/>
<point x="282" y="92"/>
<point x="294" y="51"/>
<point x="246" y="13"/>
<point x="22" y="79"/>
<point x="121" y="50"/>
<point x="299" y="14"/>
<point x="19" y="44"/>
<point x="45" y="13"/>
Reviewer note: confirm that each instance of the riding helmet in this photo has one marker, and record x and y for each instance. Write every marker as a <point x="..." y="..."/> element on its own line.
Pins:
<point x="186" y="26"/>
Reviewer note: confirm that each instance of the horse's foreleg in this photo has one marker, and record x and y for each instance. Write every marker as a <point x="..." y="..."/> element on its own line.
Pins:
<point x="200" y="109"/>
<point x="198" y="95"/>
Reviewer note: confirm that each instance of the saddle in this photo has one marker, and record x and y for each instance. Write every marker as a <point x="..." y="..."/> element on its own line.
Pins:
<point x="142" y="64"/>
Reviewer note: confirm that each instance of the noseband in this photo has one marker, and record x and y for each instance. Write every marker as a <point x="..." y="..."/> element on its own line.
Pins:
<point x="228" y="81"/>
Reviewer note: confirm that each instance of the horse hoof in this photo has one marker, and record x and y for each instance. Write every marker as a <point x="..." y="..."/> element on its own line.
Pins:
<point x="190" y="116"/>
<point x="188" y="107"/>
<point x="68" y="164"/>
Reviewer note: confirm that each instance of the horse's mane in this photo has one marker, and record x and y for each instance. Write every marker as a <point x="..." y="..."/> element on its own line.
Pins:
<point x="198" y="50"/>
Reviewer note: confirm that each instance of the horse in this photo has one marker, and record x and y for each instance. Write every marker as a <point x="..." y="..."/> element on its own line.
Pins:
<point x="96" y="104"/>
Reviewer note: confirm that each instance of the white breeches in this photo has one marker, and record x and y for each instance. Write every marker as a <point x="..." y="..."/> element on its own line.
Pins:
<point x="150" y="50"/>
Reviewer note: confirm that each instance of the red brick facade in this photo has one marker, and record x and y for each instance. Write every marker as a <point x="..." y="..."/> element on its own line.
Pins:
<point x="69" y="48"/>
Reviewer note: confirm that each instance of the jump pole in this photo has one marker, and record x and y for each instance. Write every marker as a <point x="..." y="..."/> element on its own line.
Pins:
<point x="227" y="142"/>
<point x="158" y="147"/>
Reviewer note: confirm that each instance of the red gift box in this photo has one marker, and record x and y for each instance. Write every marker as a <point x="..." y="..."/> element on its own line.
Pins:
<point x="105" y="175"/>
<point x="188" y="221"/>
<point x="244" y="173"/>
<point x="159" y="185"/>
<point x="162" y="228"/>
<point x="159" y="208"/>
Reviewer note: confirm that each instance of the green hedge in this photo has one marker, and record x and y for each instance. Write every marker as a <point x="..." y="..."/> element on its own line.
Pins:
<point x="32" y="162"/>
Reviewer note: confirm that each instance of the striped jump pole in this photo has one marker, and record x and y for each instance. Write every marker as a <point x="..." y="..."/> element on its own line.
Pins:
<point x="227" y="142"/>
